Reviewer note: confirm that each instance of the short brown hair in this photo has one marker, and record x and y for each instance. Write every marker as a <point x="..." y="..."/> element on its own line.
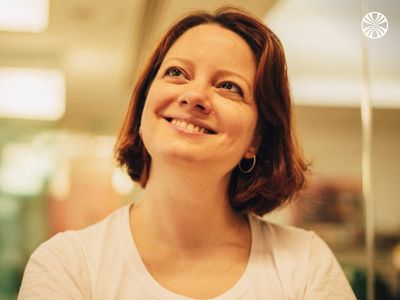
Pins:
<point x="280" y="170"/>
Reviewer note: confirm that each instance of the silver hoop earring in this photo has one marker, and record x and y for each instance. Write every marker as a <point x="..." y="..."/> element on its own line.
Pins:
<point x="251" y="168"/>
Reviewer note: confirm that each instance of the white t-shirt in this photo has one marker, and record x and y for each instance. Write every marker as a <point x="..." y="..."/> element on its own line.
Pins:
<point x="102" y="262"/>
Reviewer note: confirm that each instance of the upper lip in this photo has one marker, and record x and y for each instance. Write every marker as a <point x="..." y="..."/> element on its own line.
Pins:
<point x="191" y="120"/>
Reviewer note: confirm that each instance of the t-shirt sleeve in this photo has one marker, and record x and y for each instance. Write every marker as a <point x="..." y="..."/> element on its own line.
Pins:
<point x="326" y="279"/>
<point x="57" y="270"/>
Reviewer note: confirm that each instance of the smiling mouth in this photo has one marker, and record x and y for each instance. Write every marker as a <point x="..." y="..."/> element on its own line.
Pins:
<point x="188" y="126"/>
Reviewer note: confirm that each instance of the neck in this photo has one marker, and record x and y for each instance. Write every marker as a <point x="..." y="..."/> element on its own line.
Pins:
<point x="187" y="209"/>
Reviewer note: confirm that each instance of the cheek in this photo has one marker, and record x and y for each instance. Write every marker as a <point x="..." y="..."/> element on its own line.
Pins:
<point x="148" y="119"/>
<point x="148" y="124"/>
<point x="150" y="106"/>
<point x="144" y="122"/>
<point x="149" y="102"/>
<point x="241" y="123"/>
<point x="158" y="98"/>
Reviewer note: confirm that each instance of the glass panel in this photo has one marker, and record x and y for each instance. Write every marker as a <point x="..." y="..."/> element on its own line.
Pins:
<point x="324" y="52"/>
<point x="57" y="170"/>
<point x="52" y="181"/>
<point x="384" y="78"/>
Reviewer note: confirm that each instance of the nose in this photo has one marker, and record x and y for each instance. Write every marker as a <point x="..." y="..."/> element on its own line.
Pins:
<point x="196" y="99"/>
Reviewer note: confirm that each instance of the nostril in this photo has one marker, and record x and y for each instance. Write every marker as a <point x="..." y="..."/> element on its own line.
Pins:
<point x="196" y="105"/>
<point x="199" y="106"/>
<point x="195" y="102"/>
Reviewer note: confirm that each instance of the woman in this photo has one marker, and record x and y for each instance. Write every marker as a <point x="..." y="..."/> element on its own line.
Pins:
<point x="208" y="135"/>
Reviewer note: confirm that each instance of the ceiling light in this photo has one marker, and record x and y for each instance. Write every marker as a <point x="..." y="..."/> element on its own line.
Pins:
<point x="32" y="93"/>
<point x="24" y="15"/>
<point x="343" y="92"/>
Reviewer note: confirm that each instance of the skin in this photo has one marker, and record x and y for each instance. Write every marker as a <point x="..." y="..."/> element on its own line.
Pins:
<point x="184" y="212"/>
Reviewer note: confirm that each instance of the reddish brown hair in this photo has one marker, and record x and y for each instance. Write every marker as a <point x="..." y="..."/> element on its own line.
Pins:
<point x="280" y="169"/>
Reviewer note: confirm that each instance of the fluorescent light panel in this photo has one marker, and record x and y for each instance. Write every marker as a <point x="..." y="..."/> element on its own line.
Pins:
<point x="344" y="92"/>
<point x="32" y="93"/>
<point x="24" y="15"/>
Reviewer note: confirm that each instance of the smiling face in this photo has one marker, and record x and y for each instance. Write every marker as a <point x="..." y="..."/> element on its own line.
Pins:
<point x="200" y="105"/>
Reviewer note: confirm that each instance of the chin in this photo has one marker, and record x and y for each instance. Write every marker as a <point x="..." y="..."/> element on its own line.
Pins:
<point x="179" y="155"/>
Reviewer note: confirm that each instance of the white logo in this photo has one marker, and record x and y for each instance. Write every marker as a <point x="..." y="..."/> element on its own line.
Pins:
<point x="374" y="25"/>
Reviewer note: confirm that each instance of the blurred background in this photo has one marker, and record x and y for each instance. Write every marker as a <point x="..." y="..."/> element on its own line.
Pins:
<point x="67" y="69"/>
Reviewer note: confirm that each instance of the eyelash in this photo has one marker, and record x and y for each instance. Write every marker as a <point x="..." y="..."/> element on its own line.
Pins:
<point x="232" y="85"/>
<point x="169" y="71"/>
<point x="238" y="91"/>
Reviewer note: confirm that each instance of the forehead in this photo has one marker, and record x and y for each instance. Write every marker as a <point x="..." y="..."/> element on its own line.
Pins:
<point x="213" y="43"/>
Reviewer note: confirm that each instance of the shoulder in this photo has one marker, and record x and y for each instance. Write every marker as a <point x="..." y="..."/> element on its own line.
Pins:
<point x="63" y="265"/>
<point x="304" y="262"/>
<point x="57" y="267"/>
<point x="296" y="243"/>
<point x="293" y="247"/>
<point x="79" y="242"/>
<point x="285" y="238"/>
<point x="107" y="228"/>
<point x="59" y="246"/>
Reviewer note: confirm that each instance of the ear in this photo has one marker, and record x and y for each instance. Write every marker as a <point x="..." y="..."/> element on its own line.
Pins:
<point x="255" y="144"/>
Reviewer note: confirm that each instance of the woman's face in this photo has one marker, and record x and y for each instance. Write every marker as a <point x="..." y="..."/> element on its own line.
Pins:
<point x="200" y="106"/>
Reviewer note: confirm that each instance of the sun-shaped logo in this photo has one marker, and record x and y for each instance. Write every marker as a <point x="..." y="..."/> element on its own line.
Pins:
<point x="374" y="25"/>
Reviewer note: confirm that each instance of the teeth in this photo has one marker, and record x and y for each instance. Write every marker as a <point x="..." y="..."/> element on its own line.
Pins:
<point x="188" y="126"/>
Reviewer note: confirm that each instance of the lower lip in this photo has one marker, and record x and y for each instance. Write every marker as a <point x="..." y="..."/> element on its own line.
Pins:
<point x="185" y="132"/>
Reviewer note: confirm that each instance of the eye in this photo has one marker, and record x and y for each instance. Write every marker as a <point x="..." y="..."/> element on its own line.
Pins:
<point x="230" y="86"/>
<point x="174" y="72"/>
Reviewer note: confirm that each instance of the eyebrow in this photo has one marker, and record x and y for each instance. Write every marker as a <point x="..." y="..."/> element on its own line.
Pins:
<point x="219" y="71"/>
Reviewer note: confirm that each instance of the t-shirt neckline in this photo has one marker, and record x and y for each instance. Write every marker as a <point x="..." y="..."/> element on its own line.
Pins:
<point x="152" y="285"/>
